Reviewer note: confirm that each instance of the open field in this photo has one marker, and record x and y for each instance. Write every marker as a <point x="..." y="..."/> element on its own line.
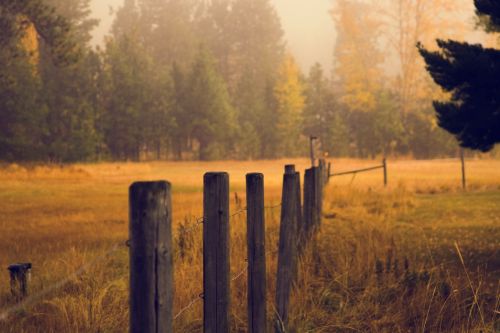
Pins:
<point x="71" y="222"/>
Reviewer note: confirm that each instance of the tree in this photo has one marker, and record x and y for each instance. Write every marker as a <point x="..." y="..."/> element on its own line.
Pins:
<point x="471" y="74"/>
<point x="213" y="118"/>
<point x="22" y="110"/>
<point x="358" y="59"/>
<point x="323" y="118"/>
<point x="128" y="93"/>
<point x="69" y="92"/>
<point x="406" y="22"/>
<point x="246" y="39"/>
<point x="290" y="100"/>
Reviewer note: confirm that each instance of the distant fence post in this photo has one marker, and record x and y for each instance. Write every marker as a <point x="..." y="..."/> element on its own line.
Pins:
<point x="151" y="260"/>
<point x="322" y="167"/>
<point x="256" y="240"/>
<point x="216" y="269"/>
<point x="462" y="161"/>
<point x="384" y="164"/>
<point x="311" y="141"/>
<point x="309" y="194"/>
<point x="287" y="258"/>
<point x="329" y="172"/>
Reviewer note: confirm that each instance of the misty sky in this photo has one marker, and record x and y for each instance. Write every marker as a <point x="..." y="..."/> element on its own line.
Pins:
<point x="308" y="27"/>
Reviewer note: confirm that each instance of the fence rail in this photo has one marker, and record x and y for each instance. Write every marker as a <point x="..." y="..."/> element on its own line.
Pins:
<point x="354" y="172"/>
<point x="151" y="263"/>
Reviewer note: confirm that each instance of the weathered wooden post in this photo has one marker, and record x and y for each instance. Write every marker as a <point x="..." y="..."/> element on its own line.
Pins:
<point x="462" y="161"/>
<point x="151" y="258"/>
<point x="19" y="278"/>
<point x="323" y="171"/>
<point x="287" y="256"/>
<point x="384" y="164"/>
<point x="309" y="197"/>
<point x="256" y="246"/>
<point x="216" y="269"/>
<point x="318" y="197"/>
<point x="311" y="142"/>
<point x="329" y="172"/>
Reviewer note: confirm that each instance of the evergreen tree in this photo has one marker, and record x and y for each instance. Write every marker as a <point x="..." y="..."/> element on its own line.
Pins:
<point x="127" y="96"/>
<point x="323" y="118"/>
<point x="213" y="119"/>
<point x="246" y="39"/>
<point x="22" y="109"/>
<point x="471" y="74"/>
<point x="69" y="92"/>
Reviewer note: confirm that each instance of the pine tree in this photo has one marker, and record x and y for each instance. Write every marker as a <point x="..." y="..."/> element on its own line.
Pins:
<point x="22" y="109"/>
<point x="323" y="118"/>
<point x="212" y="117"/>
<point x="128" y="93"/>
<point x="69" y="92"/>
<point x="471" y="74"/>
<point x="246" y="39"/>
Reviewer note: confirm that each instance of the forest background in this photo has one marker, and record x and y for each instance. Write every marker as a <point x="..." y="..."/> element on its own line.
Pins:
<point x="198" y="80"/>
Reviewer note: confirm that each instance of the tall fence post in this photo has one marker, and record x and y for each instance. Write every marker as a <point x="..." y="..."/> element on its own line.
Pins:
<point x="216" y="269"/>
<point x="309" y="203"/>
<point x="462" y="161"/>
<point x="329" y="172"/>
<point x="151" y="257"/>
<point x="311" y="143"/>
<point x="318" y="196"/>
<point x="384" y="163"/>
<point x="287" y="258"/>
<point x="256" y="246"/>
<point x="322" y="166"/>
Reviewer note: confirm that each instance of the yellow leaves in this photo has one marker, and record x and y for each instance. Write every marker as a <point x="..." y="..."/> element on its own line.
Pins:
<point x="29" y="42"/>
<point x="290" y="99"/>
<point x="289" y="90"/>
<point x="358" y="60"/>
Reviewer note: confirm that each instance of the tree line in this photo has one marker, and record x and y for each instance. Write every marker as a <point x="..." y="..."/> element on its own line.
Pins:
<point x="191" y="79"/>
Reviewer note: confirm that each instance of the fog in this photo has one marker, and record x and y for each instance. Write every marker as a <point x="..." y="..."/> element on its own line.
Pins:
<point x="308" y="27"/>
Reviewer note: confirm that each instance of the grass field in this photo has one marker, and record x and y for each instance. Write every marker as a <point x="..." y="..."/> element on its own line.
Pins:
<point x="419" y="256"/>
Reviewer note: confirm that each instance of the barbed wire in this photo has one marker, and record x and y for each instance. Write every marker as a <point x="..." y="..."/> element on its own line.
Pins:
<point x="200" y="220"/>
<point x="189" y="306"/>
<point x="201" y="296"/>
<point x="59" y="284"/>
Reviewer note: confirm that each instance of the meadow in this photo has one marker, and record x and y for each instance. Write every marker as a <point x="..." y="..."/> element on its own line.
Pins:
<point x="418" y="256"/>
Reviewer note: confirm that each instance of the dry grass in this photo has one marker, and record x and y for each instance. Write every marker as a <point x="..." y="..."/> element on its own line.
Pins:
<point x="71" y="222"/>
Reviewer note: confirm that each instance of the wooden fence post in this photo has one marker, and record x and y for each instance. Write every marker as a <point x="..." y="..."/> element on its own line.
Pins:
<point x="151" y="258"/>
<point x="329" y="172"/>
<point x="287" y="258"/>
<point x="384" y="163"/>
<point x="311" y="143"/>
<point x="256" y="245"/>
<point x="321" y="166"/>
<point x="318" y="197"/>
<point x="309" y="198"/>
<point x="462" y="161"/>
<point x="216" y="269"/>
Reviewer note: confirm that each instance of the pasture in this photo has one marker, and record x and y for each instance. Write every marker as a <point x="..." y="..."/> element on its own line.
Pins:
<point x="418" y="256"/>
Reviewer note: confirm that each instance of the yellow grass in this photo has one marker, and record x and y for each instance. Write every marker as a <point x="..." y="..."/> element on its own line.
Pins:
<point x="71" y="222"/>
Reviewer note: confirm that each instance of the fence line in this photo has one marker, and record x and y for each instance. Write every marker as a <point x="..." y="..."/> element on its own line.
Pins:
<point x="151" y="216"/>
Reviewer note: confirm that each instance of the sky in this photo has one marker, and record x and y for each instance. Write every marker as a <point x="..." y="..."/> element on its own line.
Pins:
<point x="309" y="30"/>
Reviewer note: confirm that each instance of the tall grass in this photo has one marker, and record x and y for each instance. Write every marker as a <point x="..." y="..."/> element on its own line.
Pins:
<point x="384" y="261"/>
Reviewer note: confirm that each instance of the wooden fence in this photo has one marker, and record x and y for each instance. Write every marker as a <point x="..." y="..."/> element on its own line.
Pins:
<point x="382" y="166"/>
<point x="151" y="249"/>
